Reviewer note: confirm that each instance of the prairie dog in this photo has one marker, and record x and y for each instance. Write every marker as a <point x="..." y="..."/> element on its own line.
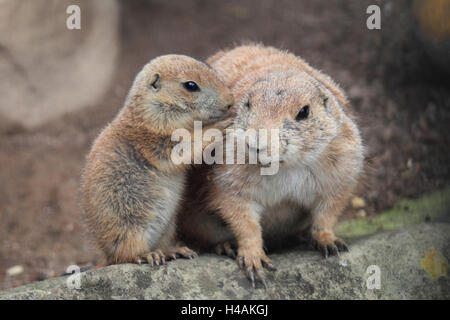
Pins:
<point x="320" y="161"/>
<point x="130" y="187"/>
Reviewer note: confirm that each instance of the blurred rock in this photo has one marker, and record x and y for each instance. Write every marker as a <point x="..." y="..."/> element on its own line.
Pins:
<point x="361" y="214"/>
<point x="14" y="271"/>
<point x="358" y="202"/>
<point x="409" y="163"/>
<point x="46" y="69"/>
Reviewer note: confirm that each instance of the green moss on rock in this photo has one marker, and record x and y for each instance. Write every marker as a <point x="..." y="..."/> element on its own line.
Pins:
<point x="434" y="206"/>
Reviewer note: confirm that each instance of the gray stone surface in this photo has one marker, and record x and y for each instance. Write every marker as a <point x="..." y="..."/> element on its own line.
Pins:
<point x="47" y="70"/>
<point x="301" y="274"/>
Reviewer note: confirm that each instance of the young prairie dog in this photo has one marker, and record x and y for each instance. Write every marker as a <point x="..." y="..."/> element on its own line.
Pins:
<point x="320" y="162"/>
<point x="130" y="187"/>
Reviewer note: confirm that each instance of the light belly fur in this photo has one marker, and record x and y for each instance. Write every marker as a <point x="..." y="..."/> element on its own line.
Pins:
<point x="158" y="223"/>
<point x="282" y="202"/>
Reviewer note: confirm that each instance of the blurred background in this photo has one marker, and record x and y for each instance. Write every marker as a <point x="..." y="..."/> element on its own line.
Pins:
<point x="60" y="87"/>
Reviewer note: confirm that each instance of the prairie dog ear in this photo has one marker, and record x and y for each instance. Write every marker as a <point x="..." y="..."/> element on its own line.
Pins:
<point x="324" y="97"/>
<point x="155" y="82"/>
<point x="331" y="105"/>
<point x="329" y="101"/>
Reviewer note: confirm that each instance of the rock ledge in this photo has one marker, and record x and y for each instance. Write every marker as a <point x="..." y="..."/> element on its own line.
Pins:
<point x="301" y="274"/>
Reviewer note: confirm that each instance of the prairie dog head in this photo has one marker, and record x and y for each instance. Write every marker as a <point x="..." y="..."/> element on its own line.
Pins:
<point x="172" y="91"/>
<point x="304" y="113"/>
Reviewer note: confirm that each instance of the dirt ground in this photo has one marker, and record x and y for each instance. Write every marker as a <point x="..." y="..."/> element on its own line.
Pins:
<point x="399" y="97"/>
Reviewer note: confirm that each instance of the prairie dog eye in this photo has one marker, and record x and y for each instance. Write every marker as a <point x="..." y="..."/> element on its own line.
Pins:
<point x="191" y="86"/>
<point x="303" y="113"/>
<point x="247" y="104"/>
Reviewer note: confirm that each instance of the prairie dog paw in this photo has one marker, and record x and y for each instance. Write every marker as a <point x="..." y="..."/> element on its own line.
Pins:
<point x="252" y="262"/>
<point x="228" y="248"/>
<point x="156" y="257"/>
<point x="327" y="243"/>
<point x="181" y="251"/>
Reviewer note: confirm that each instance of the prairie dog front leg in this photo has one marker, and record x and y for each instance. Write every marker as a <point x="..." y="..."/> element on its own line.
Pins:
<point x="242" y="217"/>
<point x="324" y="218"/>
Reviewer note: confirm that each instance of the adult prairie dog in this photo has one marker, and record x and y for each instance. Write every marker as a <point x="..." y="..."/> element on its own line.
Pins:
<point x="320" y="161"/>
<point x="130" y="187"/>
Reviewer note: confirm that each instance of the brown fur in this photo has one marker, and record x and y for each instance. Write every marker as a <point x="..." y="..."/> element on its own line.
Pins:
<point x="321" y="160"/>
<point x="130" y="187"/>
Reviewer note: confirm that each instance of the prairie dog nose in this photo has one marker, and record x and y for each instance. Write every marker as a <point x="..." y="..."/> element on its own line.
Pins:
<point x="229" y="101"/>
